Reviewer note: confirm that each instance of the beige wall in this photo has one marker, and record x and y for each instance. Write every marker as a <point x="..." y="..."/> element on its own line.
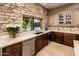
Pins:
<point x="53" y="15"/>
<point x="15" y="11"/>
<point x="64" y="8"/>
<point x="53" y="12"/>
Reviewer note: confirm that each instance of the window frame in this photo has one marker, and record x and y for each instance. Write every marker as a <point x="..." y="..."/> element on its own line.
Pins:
<point x="40" y="21"/>
<point x="32" y="21"/>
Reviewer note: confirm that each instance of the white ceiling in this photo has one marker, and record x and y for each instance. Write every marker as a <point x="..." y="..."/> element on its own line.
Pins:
<point x="52" y="5"/>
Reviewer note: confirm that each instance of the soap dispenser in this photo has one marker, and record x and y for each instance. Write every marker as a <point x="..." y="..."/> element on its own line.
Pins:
<point x="46" y="28"/>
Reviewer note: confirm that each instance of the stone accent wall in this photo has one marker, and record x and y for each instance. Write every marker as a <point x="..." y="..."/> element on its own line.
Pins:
<point x="13" y="13"/>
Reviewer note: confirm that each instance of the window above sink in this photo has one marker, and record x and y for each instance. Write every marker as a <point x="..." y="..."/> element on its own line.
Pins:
<point x="31" y="23"/>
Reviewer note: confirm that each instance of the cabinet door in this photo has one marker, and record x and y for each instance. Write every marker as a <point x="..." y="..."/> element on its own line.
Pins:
<point x="52" y="36"/>
<point x="40" y="42"/>
<point x="66" y="18"/>
<point x="45" y="39"/>
<point x="57" y="37"/>
<point x="77" y="37"/>
<point x="76" y="18"/>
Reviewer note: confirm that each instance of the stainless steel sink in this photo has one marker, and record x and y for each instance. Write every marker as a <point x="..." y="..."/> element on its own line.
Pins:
<point x="38" y="32"/>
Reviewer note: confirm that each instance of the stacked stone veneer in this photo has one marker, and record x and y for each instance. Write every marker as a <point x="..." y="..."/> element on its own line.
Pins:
<point x="13" y="13"/>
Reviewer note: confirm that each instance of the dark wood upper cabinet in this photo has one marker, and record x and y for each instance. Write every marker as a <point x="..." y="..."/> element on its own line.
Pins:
<point x="12" y="50"/>
<point x="68" y="38"/>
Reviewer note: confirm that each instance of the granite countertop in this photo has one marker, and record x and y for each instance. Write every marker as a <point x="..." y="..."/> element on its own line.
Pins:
<point x="5" y="40"/>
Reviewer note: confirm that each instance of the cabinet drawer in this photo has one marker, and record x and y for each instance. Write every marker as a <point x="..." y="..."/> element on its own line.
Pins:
<point x="16" y="52"/>
<point x="58" y="34"/>
<point x="70" y="36"/>
<point x="12" y="47"/>
<point x="68" y="41"/>
<point x="69" y="44"/>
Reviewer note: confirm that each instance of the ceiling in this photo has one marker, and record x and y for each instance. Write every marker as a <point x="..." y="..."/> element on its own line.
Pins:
<point x="52" y="5"/>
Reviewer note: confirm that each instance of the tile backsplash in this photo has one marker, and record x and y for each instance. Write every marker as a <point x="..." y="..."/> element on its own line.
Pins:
<point x="67" y="29"/>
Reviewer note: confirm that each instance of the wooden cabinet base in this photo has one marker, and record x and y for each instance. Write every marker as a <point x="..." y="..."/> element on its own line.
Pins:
<point x="40" y="42"/>
<point x="12" y="50"/>
<point x="64" y="38"/>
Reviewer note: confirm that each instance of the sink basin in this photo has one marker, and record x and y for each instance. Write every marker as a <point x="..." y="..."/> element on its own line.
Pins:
<point x="38" y="32"/>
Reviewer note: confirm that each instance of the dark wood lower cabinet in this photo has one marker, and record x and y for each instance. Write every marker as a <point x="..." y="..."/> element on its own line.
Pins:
<point x="68" y="39"/>
<point x="57" y="37"/>
<point x="12" y="50"/>
<point x="64" y="38"/>
<point x="16" y="52"/>
<point x="40" y="42"/>
<point x="77" y="37"/>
